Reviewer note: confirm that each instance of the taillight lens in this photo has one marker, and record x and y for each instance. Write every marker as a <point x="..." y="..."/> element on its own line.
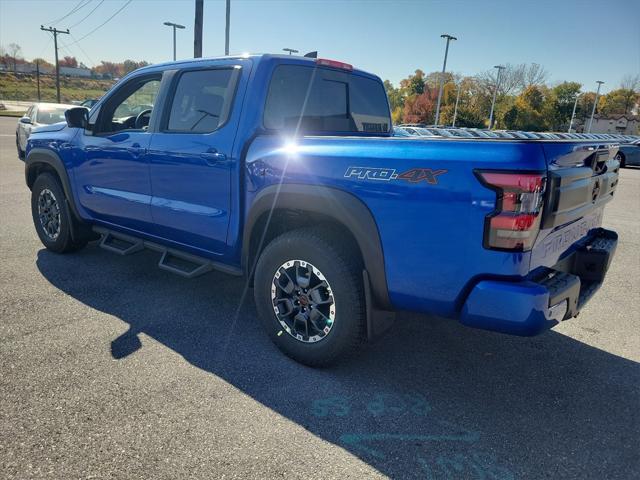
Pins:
<point x="334" y="64"/>
<point x="515" y="222"/>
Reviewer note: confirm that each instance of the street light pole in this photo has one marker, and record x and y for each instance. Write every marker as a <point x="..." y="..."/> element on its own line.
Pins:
<point x="444" y="68"/>
<point x="595" y="102"/>
<point x="290" y="50"/>
<point x="455" y="110"/>
<point x="573" y="114"/>
<point x="495" y="93"/>
<point x="174" y="25"/>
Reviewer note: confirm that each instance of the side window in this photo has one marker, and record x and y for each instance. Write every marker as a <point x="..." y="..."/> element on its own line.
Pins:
<point x="202" y="100"/>
<point x="130" y="107"/>
<point x="30" y="112"/>
<point x="140" y="100"/>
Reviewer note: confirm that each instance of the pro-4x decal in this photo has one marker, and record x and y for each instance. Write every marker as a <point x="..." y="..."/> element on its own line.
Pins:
<point x="415" y="175"/>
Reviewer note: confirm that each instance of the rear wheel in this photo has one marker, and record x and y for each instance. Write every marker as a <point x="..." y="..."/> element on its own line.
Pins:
<point x="309" y="295"/>
<point x="620" y="158"/>
<point x="51" y="216"/>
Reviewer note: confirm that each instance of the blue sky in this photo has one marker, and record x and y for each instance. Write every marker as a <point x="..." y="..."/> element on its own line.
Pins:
<point x="582" y="41"/>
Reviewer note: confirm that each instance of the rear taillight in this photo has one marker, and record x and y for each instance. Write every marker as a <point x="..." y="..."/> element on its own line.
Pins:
<point x="515" y="222"/>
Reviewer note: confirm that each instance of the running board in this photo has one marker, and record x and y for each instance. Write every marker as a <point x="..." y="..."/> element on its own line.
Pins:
<point x="172" y="260"/>
<point x="121" y="244"/>
<point x="182" y="264"/>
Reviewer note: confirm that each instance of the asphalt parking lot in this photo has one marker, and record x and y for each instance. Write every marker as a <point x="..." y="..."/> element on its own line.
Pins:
<point x="112" y="368"/>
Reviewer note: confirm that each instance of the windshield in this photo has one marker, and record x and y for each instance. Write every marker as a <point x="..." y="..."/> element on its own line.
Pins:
<point x="325" y="100"/>
<point x="49" y="115"/>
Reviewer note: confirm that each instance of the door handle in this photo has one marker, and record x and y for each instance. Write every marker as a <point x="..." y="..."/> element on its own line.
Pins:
<point x="136" y="150"/>
<point x="213" y="156"/>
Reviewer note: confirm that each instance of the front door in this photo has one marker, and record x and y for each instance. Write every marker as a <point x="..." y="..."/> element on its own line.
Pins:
<point x="190" y="159"/>
<point x="112" y="170"/>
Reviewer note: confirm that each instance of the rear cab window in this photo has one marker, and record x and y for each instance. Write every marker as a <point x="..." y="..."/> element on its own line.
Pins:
<point x="320" y="100"/>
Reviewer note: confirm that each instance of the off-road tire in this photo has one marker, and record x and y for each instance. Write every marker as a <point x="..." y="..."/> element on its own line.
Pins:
<point x="336" y="259"/>
<point x="47" y="184"/>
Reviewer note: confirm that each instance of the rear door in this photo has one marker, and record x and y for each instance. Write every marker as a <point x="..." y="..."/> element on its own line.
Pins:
<point x="190" y="157"/>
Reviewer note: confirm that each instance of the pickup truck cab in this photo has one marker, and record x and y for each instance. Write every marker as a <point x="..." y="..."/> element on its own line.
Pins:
<point x="285" y="170"/>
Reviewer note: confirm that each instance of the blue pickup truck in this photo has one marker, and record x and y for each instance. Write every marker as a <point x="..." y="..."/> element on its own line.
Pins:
<point x="285" y="170"/>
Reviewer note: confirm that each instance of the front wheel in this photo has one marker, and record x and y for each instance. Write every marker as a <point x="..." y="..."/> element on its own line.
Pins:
<point x="309" y="295"/>
<point x="51" y="216"/>
<point x="620" y="158"/>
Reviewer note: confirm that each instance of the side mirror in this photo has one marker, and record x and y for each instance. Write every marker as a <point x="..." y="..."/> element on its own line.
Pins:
<point x="26" y="120"/>
<point x="77" y="117"/>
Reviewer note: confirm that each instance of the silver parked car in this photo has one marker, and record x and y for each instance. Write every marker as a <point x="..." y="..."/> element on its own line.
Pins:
<point x="38" y="114"/>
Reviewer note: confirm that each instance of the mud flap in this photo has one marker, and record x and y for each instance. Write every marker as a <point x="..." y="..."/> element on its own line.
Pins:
<point x="378" y="321"/>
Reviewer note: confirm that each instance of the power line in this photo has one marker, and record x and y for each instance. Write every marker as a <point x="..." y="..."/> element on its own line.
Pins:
<point x="103" y="23"/>
<point x="45" y="47"/>
<point x="83" y="51"/>
<point x="78" y="6"/>
<point x="87" y="15"/>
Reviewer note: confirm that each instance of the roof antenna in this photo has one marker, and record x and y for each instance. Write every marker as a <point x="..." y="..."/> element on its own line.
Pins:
<point x="311" y="54"/>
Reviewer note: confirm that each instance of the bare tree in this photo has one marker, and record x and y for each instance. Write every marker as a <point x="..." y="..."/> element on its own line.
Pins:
<point x="631" y="82"/>
<point x="533" y="75"/>
<point x="14" y="50"/>
<point x="630" y="86"/>
<point x="510" y="80"/>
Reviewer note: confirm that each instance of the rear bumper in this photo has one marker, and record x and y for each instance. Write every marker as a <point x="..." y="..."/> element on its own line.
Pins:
<point x="547" y="296"/>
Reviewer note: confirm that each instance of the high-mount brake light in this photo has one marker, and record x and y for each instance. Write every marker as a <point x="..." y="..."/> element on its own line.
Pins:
<point x="515" y="223"/>
<point x="334" y="64"/>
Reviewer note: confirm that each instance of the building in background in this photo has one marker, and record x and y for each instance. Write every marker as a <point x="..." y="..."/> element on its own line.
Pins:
<point x="622" y="124"/>
<point x="75" y="72"/>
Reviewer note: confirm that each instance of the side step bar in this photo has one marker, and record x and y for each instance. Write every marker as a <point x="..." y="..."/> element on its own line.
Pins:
<point x="172" y="260"/>
<point x="121" y="244"/>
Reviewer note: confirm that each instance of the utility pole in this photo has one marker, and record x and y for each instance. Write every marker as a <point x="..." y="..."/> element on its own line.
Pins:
<point x="226" y="30"/>
<point x="444" y="67"/>
<point x="290" y="50"/>
<point x="595" y="102"/>
<point x="38" y="77"/>
<point x="573" y="114"/>
<point x="495" y="93"/>
<point x="174" y="25"/>
<point x="197" y="31"/>
<point x="455" y="110"/>
<point x="55" y="32"/>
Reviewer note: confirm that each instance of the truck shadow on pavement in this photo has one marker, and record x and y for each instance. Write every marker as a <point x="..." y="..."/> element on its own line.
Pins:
<point x="432" y="399"/>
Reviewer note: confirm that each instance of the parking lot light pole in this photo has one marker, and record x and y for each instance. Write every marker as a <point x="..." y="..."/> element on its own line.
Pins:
<point x="495" y="94"/>
<point x="174" y="25"/>
<point x="444" y="68"/>
<point x="290" y="50"/>
<point x="573" y="114"/>
<point x="595" y="102"/>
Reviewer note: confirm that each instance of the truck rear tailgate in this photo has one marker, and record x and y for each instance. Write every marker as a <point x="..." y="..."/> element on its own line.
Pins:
<point x="582" y="178"/>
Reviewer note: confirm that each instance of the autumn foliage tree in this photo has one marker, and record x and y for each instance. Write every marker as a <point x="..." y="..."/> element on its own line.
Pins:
<point x="69" y="62"/>
<point x="420" y="108"/>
